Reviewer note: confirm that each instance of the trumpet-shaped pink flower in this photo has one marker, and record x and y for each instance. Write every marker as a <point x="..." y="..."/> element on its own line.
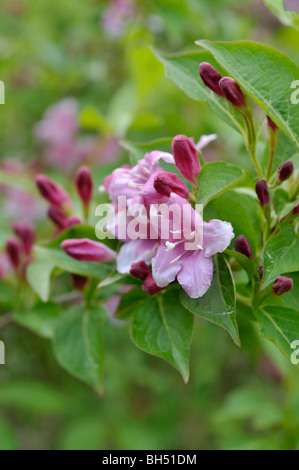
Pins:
<point x="87" y="250"/>
<point x="192" y="267"/>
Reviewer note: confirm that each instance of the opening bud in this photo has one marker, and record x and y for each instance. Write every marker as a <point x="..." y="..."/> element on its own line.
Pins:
<point x="52" y="192"/>
<point x="186" y="158"/>
<point x="211" y="78"/>
<point x="88" y="250"/>
<point x="166" y="183"/>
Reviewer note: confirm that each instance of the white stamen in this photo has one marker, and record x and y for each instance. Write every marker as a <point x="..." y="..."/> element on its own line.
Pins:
<point x="131" y="184"/>
<point x="170" y="246"/>
<point x="146" y="170"/>
<point x="102" y="189"/>
<point x="177" y="258"/>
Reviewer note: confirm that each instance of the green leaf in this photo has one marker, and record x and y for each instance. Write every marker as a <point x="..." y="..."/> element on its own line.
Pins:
<point x="218" y="177"/>
<point x="51" y="256"/>
<point x="218" y="305"/>
<point x="183" y="71"/>
<point x="162" y="327"/>
<point x="266" y="75"/>
<point x="128" y="303"/>
<point x="91" y="118"/>
<point x="42" y="319"/>
<point x="281" y="255"/>
<point x="280" y="325"/>
<point x="245" y="262"/>
<point x="288" y="18"/>
<point x="281" y="199"/>
<point x="78" y="344"/>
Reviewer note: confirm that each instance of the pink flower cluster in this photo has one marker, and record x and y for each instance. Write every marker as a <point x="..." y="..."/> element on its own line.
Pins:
<point x="148" y="184"/>
<point x="116" y="16"/>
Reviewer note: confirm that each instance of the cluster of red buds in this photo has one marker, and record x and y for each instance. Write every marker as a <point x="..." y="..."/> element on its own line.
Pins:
<point x="60" y="210"/>
<point x="141" y="271"/>
<point x="19" y="247"/>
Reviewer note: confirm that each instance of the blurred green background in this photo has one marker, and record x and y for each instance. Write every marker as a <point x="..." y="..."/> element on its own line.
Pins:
<point x="50" y="50"/>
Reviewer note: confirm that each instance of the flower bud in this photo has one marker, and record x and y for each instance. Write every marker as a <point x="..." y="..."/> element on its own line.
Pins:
<point x="72" y="221"/>
<point x="282" y="285"/>
<point x="243" y="246"/>
<point x="186" y="158"/>
<point x="84" y="184"/>
<point x="79" y="282"/>
<point x="13" y="250"/>
<point x="52" y="192"/>
<point x="285" y="170"/>
<point x="272" y="124"/>
<point x="140" y="270"/>
<point x="88" y="250"/>
<point x="296" y="210"/>
<point x="211" y="78"/>
<point x="26" y="234"/>
<point x="166" y="183"/>
<point x="57" y="215"/>
<point x="233" y="92"/>
<point x="150" y="285"/>
<point x="262" y="192"/>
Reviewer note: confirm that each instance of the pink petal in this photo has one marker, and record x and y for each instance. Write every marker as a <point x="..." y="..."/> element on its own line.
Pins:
<point x="196" y="274"/>
<point x="166" y="264"/>
<point x="134" y="251"/>
<point x="217" y="236"/>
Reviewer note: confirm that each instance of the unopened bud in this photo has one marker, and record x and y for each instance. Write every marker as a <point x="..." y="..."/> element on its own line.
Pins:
<point x="211" y="78"/>
<point x="285" y="170"/>
<point x="57" y="215"/>
<point x="52" y="192"/>
<point x="233" y="92"/>
<point x="79" y="282"/>
<point x="262" y="192"/>
<point x="282" y="285"/>
<point x="150" y="286"/>
<point x="186" y="158"/>
<point x="296" y="210"/>
<point x="242" y="245"/>
<point x="261" y="271"/>
<point x="88" y="250"/>
<point x="13" y="250"/>
<point x="84" y="184"/>
<point x="26" y="233"/>
<point x="140" y="270"/>
<point x="166" y="183"/>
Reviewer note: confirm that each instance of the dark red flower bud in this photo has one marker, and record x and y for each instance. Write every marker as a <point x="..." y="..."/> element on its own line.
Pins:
<point x="186" y="158"/>
<point x="57" y="215"/>
<point x="84" y="184"/>
<point x="88" y="250"/>
<point x="233" y="92"/>
<point x="262" y="192"/>
<point x="166" y="183"/>
<point x="243" y="246"/>
<point x="285" y="170"/>
<point x="296" y="210"/>
<point x="13" y="250"/>
<point x="26" y="233"/>
<point x="150" y="286"/>
<point x="79" y="282"/>
<point x="282" y="285"/>
<point x="52" y="192"/>
<point x="211" y="78"/>
<point x="72" y="221"/>
<point x="140" y="270"/>
<point x="261" y="271"/>
<point x="272" y="124"/>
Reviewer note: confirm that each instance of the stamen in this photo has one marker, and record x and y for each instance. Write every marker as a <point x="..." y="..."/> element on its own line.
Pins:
<point x="170" y="246"/>
<point x="177" y="258"/>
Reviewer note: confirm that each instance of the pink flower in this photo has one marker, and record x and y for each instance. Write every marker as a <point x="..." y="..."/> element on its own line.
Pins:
<point x="5" y="265"/>
<point x="193" y="268"/>
<point x="88" y="250"/>
<point x="26" y="234"/>
<point x="59" y="124"/>
<point x="115" y="17"/>
<point x="19" y="205"/>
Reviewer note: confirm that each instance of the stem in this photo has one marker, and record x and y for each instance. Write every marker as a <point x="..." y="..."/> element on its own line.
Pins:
<point x="252" y="141"/>
<point x="273" y="144"/>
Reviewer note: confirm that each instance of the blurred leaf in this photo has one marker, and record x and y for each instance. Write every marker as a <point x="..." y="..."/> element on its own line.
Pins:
<point x="8" y="440"/>
<point x="78" y="344"/>
<point x="138" y="150"/>
<point x="162" y="327"/>
<point x="90" y="118"/>
<point x="84" y="434"/>
<point x="218" y="304"/>
<point x="256" y="68"/>
<point x="34" y="397"/>
<point x="183" y="71"/>
<point x="218" y="177"/>
<point x="281" y="255"/>
<point x="288" y="18"/>
<point x="42" y="319"/>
